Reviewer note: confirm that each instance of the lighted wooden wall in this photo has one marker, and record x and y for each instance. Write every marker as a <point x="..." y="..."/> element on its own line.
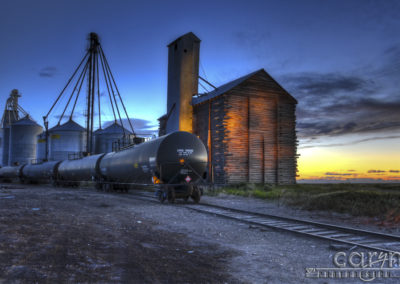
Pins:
<point x="253" y="137"/>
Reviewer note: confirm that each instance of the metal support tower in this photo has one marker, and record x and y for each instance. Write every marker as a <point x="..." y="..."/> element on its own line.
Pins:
<point x="93" y="53"/>
<point x="91" y="66"/>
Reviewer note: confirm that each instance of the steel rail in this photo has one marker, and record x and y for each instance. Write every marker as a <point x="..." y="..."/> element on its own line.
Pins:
<point x="355" y="237"/>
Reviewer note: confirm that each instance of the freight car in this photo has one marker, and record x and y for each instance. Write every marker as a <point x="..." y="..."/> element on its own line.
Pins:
<point x="10" y="174"/>
<point x="175" y="163"/>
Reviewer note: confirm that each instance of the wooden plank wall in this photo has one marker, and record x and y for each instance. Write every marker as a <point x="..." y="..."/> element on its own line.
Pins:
<point x="200" y="122"/>
<point x="201" y="129"/>
<point x="217" y="139"/>
<point x="253" y="133"/>
<point x="236" y="122"/>
<point x="287" y="143"/>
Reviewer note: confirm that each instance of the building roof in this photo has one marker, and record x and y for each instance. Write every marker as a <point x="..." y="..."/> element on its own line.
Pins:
<point x="70" y="125"/>
<point x="189" y="34"/>
<point x="114" y="128"/>
<point x="228" y="86"/>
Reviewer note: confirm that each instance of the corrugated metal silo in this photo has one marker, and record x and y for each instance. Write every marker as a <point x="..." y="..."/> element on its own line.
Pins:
<point x="65" y="139"/>
<point x="23" y="135"/>
<point x="5" y="145"/>
<point x="41" y="147"/>
<point x="1" y="147"/>
<point x="105" y="138"/>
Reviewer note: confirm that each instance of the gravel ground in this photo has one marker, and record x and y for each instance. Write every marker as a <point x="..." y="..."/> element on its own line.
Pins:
<point x="52" y="235"/>
<point x="276" y="208"/>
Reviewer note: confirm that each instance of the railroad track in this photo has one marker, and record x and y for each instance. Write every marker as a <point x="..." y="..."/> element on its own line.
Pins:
<point x="354" y="237"/>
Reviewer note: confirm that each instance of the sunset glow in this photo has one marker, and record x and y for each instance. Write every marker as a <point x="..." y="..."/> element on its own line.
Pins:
<point x="373" y="160"/>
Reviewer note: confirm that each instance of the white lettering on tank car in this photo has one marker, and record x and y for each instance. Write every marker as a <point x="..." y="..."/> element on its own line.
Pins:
<point x="185" y="171"/>
<point x="184" y="152"/>
<point x="152" y="161"/>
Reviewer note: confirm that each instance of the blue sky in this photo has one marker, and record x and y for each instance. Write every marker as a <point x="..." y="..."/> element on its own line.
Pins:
<point x="340" y="59"/>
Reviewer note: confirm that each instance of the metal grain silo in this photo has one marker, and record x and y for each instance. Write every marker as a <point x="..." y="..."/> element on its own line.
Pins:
<point x="105" y="138"/>
<point x="41" y="147"/>
<point x="6" y="145"/>
<point x="23" y="135"/>
<point x="66" y="139"/>
<point x="1" y="147"/>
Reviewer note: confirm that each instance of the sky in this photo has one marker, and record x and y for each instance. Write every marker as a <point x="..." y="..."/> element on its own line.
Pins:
<point x="339" y="59"/>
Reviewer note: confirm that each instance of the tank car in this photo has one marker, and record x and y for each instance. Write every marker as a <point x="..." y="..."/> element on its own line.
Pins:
<point x="175" y="162"/>
<point x="40" y="173"/>
<point x="71" y="172"/>
<point x="10" y="173"/>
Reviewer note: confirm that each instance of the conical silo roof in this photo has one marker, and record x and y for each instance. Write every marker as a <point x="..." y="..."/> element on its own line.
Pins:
<point x="114" y="128"/>
<point x="68" y="126"/>
<point x="26" y="121"/>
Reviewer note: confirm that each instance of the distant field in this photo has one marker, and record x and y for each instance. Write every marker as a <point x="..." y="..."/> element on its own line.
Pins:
<point x="380" y="200"/>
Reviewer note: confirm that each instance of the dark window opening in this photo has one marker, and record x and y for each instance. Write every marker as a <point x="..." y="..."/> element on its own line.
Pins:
<point x="185" y="50"/>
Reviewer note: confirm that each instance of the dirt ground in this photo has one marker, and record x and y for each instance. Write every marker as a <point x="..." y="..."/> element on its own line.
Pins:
<point x="58" y="235"/>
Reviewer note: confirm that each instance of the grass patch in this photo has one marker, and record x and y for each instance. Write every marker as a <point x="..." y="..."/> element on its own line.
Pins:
<point x="355" y="199"/>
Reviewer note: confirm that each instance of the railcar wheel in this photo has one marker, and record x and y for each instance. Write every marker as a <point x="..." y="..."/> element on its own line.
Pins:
<point x="99" y="186"/>
<point x="161" y="196"/>
<point x="196" y="195"/>
<point x="171" y="195"/>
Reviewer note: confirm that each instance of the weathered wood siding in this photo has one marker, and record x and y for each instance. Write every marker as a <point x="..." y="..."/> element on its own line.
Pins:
<point x="287" y="143"/>
<point x="236" y="138"/>
<point x="253" y="135"/>
<point x="214" y="128"/>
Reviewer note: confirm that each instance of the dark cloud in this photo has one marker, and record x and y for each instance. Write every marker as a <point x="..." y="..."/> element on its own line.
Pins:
<point x="351" y="170"/>
<point x="325" y="84"/>
<point x="366" y="100"/>
<point x="394" y="171"/>
<point x="337" y="174"/>
<point x="67" y="115"/>
<point x="376" y="171"/>
<point x="140" y="126"/>
<point x="335" y="104"/>
<point x="350" y="143"/>
<point x="48" y="71"/>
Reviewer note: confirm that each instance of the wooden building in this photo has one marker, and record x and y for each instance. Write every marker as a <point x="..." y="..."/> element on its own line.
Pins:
<point x="248" y="125"/>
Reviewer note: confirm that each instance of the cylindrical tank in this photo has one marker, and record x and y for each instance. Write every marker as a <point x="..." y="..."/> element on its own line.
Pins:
<point x="1" y="146"/>
<point x="23" y="135"/>
<point x="163" y="158"/>
<point x="6" y="145"/>
<point x="40" y="172"/>
<point x="84" y="169"/>
<point x="41" y="147"/>
<point x="68" y="138"/>
<point x="8" y="173"/>
<point x="104" y="138"/>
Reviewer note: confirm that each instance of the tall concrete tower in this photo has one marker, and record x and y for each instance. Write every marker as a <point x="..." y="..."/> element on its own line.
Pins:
<point x="183" y="73"/>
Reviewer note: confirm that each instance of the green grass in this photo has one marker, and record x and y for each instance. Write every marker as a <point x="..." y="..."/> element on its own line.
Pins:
<point x="355" y="199"/>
